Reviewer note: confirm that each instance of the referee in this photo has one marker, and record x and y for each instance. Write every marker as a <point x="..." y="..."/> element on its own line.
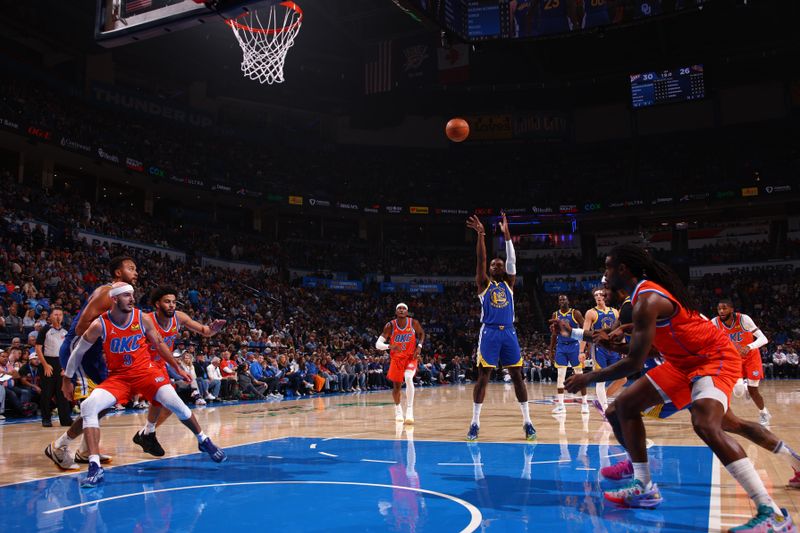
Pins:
<point x="47" y="346"/>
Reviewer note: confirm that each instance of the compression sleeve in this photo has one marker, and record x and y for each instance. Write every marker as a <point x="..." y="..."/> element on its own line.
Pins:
<point x="749" y="325"/>
<point x="381" y="344"/>
<point x="76" y="357"/>
<point x="511" y="259"/>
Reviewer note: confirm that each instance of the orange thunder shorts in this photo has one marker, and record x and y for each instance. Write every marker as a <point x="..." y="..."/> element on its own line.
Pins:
<point x="752" y="368"/>
<point x="676" y="382"/>
<point x="145" y="382"/>
<point x="398" y="367"/>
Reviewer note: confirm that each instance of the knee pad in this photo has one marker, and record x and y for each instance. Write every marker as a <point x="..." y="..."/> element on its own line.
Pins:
<point x="562" y="376"/>
<point x="99" y="400"/>
<point x="167" y="397"/>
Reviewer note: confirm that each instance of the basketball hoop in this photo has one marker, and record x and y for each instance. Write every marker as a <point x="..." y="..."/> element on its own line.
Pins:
<point x="265" y="36"/>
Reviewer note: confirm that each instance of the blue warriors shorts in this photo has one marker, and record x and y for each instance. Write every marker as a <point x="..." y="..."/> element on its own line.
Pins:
<point x="604" y="358"/>
<point x="662" y="410"/>
<point x="565" y="358"/>
<point x="498" y="345"/>
<point x="93" y="369"/>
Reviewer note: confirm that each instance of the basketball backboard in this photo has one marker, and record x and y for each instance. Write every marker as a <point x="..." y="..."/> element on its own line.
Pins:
<point x="122" y="22"/>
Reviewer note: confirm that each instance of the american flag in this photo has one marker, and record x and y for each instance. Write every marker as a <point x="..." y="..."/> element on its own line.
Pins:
<point x="132" y="6"/>
<point x="378" y="69"/>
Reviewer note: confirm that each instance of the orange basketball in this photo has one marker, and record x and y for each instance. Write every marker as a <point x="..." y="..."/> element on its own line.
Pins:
<point x="457" y="129"/>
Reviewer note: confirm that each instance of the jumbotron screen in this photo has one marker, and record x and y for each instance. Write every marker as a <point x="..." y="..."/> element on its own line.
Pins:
<point x="476" y="20"/>
<point x="667" y="86"/>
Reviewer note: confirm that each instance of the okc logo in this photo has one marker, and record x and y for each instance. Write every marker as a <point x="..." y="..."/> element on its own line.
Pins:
<point x="415" y="56"/>
<point x="736" y="337"/>
<point x="402" y="337"/>
<point x="125" y="344"/>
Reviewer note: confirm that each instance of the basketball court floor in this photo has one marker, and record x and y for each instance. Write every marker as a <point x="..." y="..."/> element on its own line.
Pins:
<point x="341" y="463"/>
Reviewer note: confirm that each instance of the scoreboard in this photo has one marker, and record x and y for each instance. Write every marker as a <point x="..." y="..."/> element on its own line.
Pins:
<point x="666" y="86"/>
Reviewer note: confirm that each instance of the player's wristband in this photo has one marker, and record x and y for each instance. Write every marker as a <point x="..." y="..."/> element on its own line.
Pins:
<point x="419" y="345"/>
<point x="577" y="334"/>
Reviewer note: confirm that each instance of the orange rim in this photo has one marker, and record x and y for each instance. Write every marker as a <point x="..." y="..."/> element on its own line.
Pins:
<point x="288" y="5"/>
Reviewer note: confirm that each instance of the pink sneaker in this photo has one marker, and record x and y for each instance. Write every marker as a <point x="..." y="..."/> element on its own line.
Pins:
<point x="795" y="481"/>
<point x="618" y="471"/>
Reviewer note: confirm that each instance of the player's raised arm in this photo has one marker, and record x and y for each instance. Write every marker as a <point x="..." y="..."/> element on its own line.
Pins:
<point x="481" y="277"/>
<point x="195" y="326"/>
<point x="155" y="339"/>
<point x="98" y="303"/>
<point x="511" y="256"/>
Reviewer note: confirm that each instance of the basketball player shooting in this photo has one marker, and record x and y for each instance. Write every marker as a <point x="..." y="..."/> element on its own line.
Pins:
<point x="497" y="343"/>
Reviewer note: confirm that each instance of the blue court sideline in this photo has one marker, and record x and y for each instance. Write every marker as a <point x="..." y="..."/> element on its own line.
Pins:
<point x="302" y="484"/>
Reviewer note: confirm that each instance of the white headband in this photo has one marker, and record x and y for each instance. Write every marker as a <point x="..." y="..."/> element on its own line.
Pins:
<point x="401" y="305"/>
<point x="122" y="289"/>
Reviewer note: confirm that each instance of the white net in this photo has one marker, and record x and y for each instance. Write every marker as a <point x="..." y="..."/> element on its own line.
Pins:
<point x="265" y="36"/>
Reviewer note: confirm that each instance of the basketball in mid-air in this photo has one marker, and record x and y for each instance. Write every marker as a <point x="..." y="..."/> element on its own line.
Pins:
<point x="457" y="129"/>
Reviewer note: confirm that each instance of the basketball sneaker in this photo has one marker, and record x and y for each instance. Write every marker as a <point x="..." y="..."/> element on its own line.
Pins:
<point x="94" y="478"/>
<point x="61" y="456"/>
<point x="472" y="434"/>
<point x="398" y="414"/>
<point x="559" y="409"/>
<point x="84" y="458"/>
<point x="600" y="407"/>
<point x="764" y="417"/>
<point x="530" y="431"/>
<point x="636" y="495"/>
<point x="618" y="471"/>
<point x="149" y="443"/>
<point x="766" y="521"/>
<point x="795" y="481"/>
<point x="216" y="454"/>
<point x="409" y="416"/>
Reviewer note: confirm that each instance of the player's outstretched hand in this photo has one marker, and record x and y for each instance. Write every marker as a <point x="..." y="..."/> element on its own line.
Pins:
<point x="560" y="327"/>
<point x="504" y="227"/>
<point x="216" y="326"/>
<point x="475" y="223"/>
<point x="576" y="382"/>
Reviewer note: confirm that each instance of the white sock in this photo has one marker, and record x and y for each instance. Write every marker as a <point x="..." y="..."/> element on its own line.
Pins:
<point x="201" y="437"/>
<point x="584" y="398"/>
<point x="149" y="427"/>
<point x="526" y="414"/>
<point x="792" y="456"/>
<point x="600" y="391"/>
<point x="560" y="397"/>
<point x="398" y="409"/>
<point x="64" y="440"/>
<point x="764" y="411"/>
<point x="410" y="393"/>
<point x="745" y="474"/>
<point x="641" y="471"/>
<point x="94" y="459"/>
<point x="476" y="414"/>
